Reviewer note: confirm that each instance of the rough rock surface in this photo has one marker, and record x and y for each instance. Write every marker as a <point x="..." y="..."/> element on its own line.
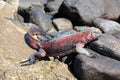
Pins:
<point x="107" y="26"/>
<point x="107" y="45"/>
<point x="62" y="24"/>
<point x="13" y="50"/>
<point x="39" y="18"/>
<point x="102" y="68"/>
<point x="87" y="10"/>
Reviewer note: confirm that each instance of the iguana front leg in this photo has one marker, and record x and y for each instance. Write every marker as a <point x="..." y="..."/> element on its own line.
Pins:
<point x="41" y="53"/>
<point x="81" y="50"/>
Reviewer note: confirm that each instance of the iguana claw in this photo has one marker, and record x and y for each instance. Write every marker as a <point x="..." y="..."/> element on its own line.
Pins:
<point x="25" y="63"/>
<point x="92" y="55"/>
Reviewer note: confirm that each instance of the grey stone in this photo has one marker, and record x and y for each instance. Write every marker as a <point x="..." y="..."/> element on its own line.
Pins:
<point x="101" y="68"/>
<point x="25" y="7"/>
<point x="63" y="24"/>
<point x="107" y="45"/>
<point x="39" y="18"/>
<point x="107" y="26"/>
<point x="53" y="6"/>
<point x="86" y="10"/>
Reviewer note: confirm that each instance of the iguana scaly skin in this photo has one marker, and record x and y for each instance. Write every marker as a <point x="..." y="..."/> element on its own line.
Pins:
<point x="59" y="45"/>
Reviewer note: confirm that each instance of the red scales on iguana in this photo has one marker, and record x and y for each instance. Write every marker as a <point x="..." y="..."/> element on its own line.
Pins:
<point x="60" y="45"/>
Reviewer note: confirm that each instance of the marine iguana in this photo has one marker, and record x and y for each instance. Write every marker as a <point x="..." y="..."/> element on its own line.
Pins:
<point x="60" y="45"/>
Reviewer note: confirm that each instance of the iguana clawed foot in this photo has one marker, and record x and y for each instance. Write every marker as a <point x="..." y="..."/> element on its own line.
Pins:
<point x="29" y="61"/>
<point x="40" y="54"/>
<point x="82" y="50"/>
<point x="93" y="55"/>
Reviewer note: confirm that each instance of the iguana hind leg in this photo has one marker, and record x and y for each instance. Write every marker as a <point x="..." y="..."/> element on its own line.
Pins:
<point x="81" y="50"/>
<point x="41" y="53"/>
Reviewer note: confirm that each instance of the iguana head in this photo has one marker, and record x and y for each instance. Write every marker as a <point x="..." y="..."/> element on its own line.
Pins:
<point x="95" y="32"/>
<point x="91" y="34"/>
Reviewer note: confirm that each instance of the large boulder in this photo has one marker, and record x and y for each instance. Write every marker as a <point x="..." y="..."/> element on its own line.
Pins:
<point x="24" y="8"/>
<point x="45" y="70"/>
<point x="107" y="45"/>
<point x="13" y="50"/>
<point x="107" y="26"/>
<point x="101" y="68"/>
<point x="62" y="24"/>
<point x="39" y="17"/>
<point x="86" y="10"/>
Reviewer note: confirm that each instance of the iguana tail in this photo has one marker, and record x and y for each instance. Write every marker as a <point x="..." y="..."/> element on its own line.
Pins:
<point x="30" y="40"/>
